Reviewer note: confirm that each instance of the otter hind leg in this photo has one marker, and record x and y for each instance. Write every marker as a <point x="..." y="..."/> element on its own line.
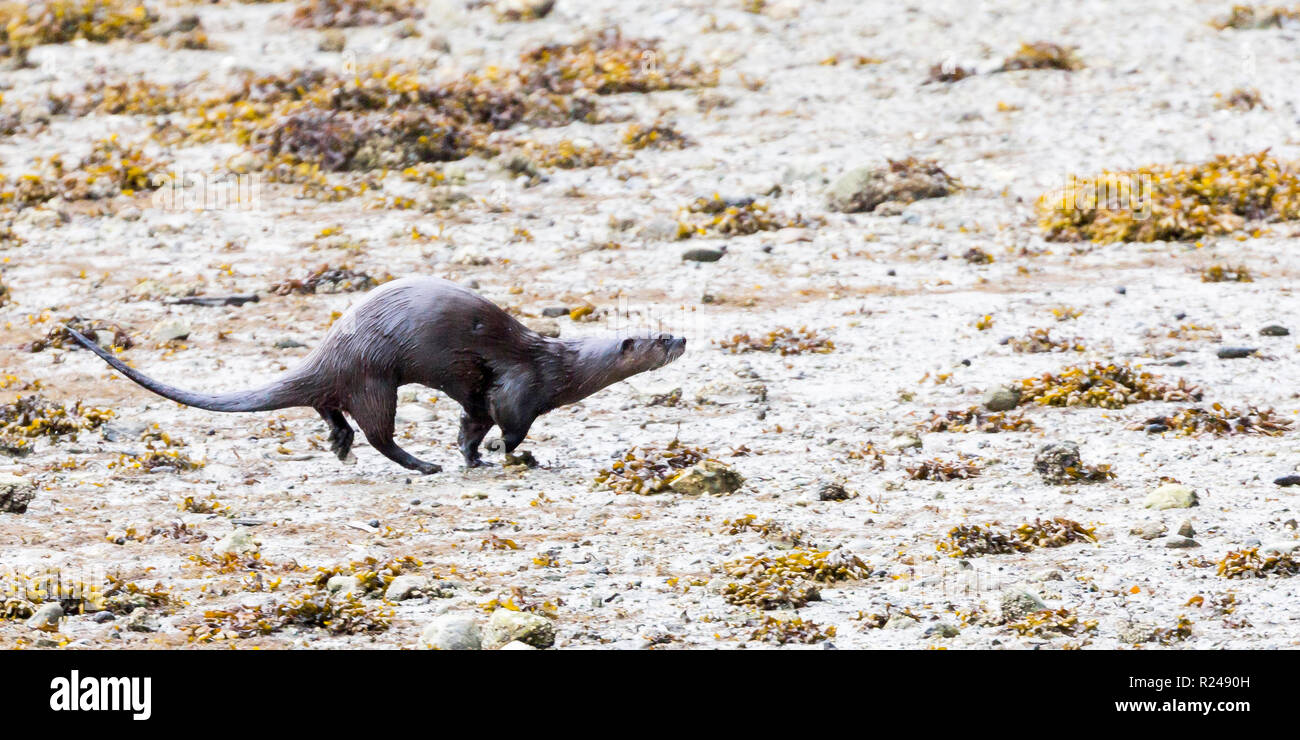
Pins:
<point x="373" y="408"/>
<point x="472" y="431"/>
<point x="341" y="434"/>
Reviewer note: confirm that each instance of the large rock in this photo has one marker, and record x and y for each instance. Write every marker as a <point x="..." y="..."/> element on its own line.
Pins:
<point x="166" y="331"/>
<point x="46" y="619"/>
<point x="16" y="492"/>
<point x="708" y="476"/>
<point x="1171" y="496"/>
<point x="506" y="626"/>
<point x="406" y="587"/>
<point x="865" y="188"/>
<point x="451" y="632"/>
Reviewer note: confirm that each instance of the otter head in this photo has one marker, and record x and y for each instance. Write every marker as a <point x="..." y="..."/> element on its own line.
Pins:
<point x="639" y="354"/>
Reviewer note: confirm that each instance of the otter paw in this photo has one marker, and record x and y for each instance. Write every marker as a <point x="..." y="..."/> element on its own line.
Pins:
<point x="478" y="463"/>
<point x="429" y="468"/>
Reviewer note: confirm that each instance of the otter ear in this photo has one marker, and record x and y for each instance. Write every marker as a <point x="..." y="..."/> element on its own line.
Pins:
<point x="627" y="345"/>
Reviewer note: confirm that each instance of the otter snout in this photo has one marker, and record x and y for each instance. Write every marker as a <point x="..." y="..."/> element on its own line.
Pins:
<point x="676" y="346"/>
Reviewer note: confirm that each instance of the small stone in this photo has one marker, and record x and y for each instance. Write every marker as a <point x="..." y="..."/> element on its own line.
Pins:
<point x="519" y="459"/>
<point x="344" y="585"/>
<point x="1287" y="480"/>
<point x="405" y="587"/>
<point x="865" y="188"/>
<point x="659" y="229"/>
<point x="900" y="622"/>
<point x="702" y="255"/>
<point x="1274" y="330"/>
<point x="1135" y="632"/>
<point x="1181" y="542"/>
<point x="238" y="542"/>
<point x="1001" y="399"/>
<point x="141" y="620"/>
<point x="103" y="617"/>
<point x="904" y="441"/>
<point x="332" y="40"/>
<point x="506" y="626"/>
<point x="1185" y="529"/>
<point x="1235" y="353"/>
<point x="1280" y="548"/>
<point x="708" y="476"/>
<point x="1018" y="604"/>
<point x="1171" y="496"/>
<point x="517" y="645"/>
<point x="942" y="630"/>
<point x="833" y="492"/>
<point x="1052" y="574"/>
<point x="451" y="632"/>
<point x="16" y="492"/>
<point x="46" y="618"/>
<point x="288" y="344"/>
<point x="555" y="312"/>
<point x="1149" y="530"/>
<point x="171" y="330"/>
<point x="1155" y="428"/>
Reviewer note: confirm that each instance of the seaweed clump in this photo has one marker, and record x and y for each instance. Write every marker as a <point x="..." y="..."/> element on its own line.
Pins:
<point x="339" y="614"/>
<point x="1052" y="623"/>
<point x="1108" y="386"/>
<point x="1249" y="563"/>
<point x="1041" y="340"/>
<point x="326" y="279"/>
<point x="32" y="417"/>
<point x="24" y="26"/>
<point x="608" y="63"/>
<point x="717" y="216"/>
<point x="967" y="540"/>
<point x="784" y="340"/>
<point x="788" y="580"/>
<point x="656" y="136"/>
<point x="976" y="419"/>
<point x="795" y="630"/>
<point x="1219" y="421"/>
<point x="1249" y="17"/>
<point x="943" y="470"/>
<point x="60" y="338"/>
<point x="350" y="13"/>
<point x="1042" y="55"/>
<point x="1178" y="203"/>
<point x="1226" y="274"/>
<point x="647" y="469"/>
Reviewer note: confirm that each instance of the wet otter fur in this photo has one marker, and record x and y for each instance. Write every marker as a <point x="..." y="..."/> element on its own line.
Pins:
<point x="444" y="336"/>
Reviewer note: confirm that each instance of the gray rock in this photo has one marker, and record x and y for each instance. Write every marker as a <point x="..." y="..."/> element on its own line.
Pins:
<point x="506" y="626"/>
<point x="1181" y="542"/>
<point x="942" y="629"/>
<point x="703" y="254"/>
<point x="659" y="229"/>
<point x="406" y="587"/>
<point x="1274" y="330"/>
<point x="1171" y="496"/>
<point x="1019" y="604"/>
<point x="900" y="622"/>
<point x="905" y="441"/>
<point x="865" y="188"/>
<point x="16" y="492"/>
<point x="1001" y="399"/>
<point x="46" y="618"/>
<point x="451" y="632"/>
<point x="1186" y="529"/>
<point x="103" y="617"/>
<point x="1235" y="353"/>
<point x="708" y="476"/>
<point x="344" y="585"/>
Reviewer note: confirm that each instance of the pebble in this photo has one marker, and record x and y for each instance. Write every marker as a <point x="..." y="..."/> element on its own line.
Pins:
<point x="1287" y="480"/>
<point x="142" y="621"/>
<point x="905" y="441"/>
<point x="1171" y="496"/>
<point x="702" y="255"/>
<point x="1054" y="461"/>
<point x="506" y="626"/>
<point x="451" y="632"/>
<point x="1149" y="530"/>
<point x="288" y="344"/>
<point x="1156" y="428"/>
<point x="1180" y="542"/>
<point x="942" y="629"/>
<point x="1235" y="353"/>
<point x="103" y="617"/>
<point x="343" y="585"/>
<point x="1185" y="529"/>
<point x="1274" y="330"/>
<point x="1280" y="548"/>
<point x="832" y="492"/>
<point x="555" y="312"/>
<point x="1135" y="632"/>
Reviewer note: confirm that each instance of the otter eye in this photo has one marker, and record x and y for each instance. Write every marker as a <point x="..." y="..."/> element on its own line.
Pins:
<point x="665" y="338"/>
<point x="628" y="344"/>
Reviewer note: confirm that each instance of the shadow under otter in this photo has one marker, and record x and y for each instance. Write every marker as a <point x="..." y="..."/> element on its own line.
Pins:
<point x="441" y="335"/>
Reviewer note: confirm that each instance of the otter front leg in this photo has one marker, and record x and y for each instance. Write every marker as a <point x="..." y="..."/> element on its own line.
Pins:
<point x="341" y="434"/>
<point x="472" y="431"/>
<point x="373" y="407"/>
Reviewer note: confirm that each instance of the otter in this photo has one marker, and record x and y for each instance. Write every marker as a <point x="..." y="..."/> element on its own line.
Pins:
<point x="435" y="333"/>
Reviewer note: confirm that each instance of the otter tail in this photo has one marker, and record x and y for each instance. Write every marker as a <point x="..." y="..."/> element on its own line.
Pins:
<point x="277" y="395"/>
